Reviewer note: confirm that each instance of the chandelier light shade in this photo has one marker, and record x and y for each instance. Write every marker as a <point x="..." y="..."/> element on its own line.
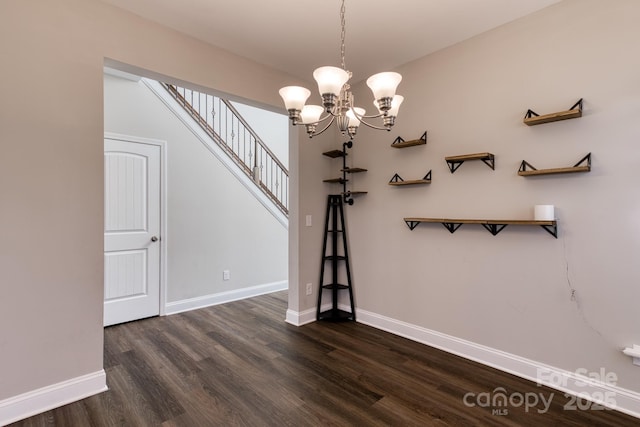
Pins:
<point x="338" y="100"/>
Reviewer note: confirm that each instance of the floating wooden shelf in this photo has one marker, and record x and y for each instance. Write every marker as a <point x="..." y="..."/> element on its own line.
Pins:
<point x="401" y="143"/>
<point x="335" y="154"/>
<point x="353" y="170"/>
<point x="532" y="118"/>
<point x="573" y="169"/>
<point x="398" y="181"/>
<point x="454" y="162"/>
<point x="335" y="180"/>
<point x="494" y="226"/>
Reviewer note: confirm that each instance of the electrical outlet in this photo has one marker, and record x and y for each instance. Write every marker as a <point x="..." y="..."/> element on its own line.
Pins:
<point x="308" y="220"/>
<point x="309" y="288"/>
<point x="226" y="275"/>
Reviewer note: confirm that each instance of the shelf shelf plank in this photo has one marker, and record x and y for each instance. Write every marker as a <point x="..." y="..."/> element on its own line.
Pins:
<point x="494" y="226"/>
<point x="353" y="170"/>
<point x="334" y="154"/>
<point x="573" y="169"/>
<point x="475" y="156"/>
<point x="401" y="143"/>
<point x="553" y="117"/>
<point x="354" y="193"/>
<point x="411" y="143"/>
<point x="482" y="221"/>
<point x="411" y="182"/>
<point x="335" y="180"/>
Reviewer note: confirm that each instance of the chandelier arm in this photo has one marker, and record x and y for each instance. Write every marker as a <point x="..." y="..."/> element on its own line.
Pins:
<point x="373" y="126"/>
<point x="325" y="128"/>
<point x="322" y="119"/>
<point x="360" y="117"/>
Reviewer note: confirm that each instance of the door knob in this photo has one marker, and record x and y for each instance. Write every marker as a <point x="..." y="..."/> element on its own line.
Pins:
<point x="154" y="239"/>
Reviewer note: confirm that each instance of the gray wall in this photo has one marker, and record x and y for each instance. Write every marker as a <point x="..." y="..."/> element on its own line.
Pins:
<point x="511" y="292"/>
<point x="214" y="223"/>
<point x="51" y="169"/>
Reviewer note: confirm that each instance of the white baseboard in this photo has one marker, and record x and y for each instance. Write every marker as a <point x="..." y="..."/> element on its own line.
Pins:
<point x="299" y="318"/>
<point x="43" y="399"/>
<point x="621" y="399"/>
<point x="223" y="297"/>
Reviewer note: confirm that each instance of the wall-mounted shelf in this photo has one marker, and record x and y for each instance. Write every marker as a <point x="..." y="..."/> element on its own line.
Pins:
<point x="398" y="181"/>
<point x="494" y="226"/>
<point x="578" y="167"/>
<point x="454" y="162"/>
<point x="335" y="153"/>
<point x="335" y="180"/>
<point x="401" y="143"/>
<point x="347" y="195"/>
<point x="532" y="118"/>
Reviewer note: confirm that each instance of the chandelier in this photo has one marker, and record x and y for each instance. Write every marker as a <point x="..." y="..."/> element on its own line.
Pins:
<point x="338" y="100"/>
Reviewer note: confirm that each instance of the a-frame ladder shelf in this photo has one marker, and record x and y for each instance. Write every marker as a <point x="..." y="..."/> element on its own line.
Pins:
<point x="401" y="143"/>
<point x="578" y="167"/>
<point x="397" y="180"/>
<point x="454" y="162"/>
<point x="335" y="256"/>
<point x="494" y="226"/>
<point x="532" y="118"/>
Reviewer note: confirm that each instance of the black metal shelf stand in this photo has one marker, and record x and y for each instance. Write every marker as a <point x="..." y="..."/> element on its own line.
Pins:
<point x="334" y="227"/>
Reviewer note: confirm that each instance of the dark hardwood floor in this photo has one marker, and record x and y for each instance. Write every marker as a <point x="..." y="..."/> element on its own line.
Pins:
<point x="241" y="364"/>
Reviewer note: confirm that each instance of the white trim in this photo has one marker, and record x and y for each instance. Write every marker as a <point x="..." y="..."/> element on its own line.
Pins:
<point x="626" y="401"/>
<point x="299" y="318"/>
<point x="205" y="139"/>
<point x="43" y="399"/>
<point x="121" y="74"/>
<point x="164" y="235"/>
<point x="309" y="316"/>
<point x="223" y="297"/>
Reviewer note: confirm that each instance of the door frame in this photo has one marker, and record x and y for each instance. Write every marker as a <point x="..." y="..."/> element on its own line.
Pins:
<point x="163" y="207"/>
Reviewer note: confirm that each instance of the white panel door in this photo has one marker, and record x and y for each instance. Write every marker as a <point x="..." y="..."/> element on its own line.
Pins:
<point x="132" y="231"/>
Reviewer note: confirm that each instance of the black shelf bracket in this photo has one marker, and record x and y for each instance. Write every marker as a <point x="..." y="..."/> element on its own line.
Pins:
<point x="530" y="113"/>
<point x="396" y="177"/>
<point x="551" y="229"/>
<point x="427" y="177"/>
<point x="454" y="165"/>
<point x="489" y="160"/>
<point x="412" y="224"/>
<point x="452" y="226"/>
<point x="524" y="165"/>
<point x="494" y="229"/>
<point x="586" y="158"/>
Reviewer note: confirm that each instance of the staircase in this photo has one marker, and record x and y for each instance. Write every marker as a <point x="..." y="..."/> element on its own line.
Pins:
<point x="228" y="130"/>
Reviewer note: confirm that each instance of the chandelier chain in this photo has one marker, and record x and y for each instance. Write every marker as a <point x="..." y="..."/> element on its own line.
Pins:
<point x="342" y="35"/>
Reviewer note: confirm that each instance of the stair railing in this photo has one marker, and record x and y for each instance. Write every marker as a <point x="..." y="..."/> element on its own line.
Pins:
<point x="230" y="131"/>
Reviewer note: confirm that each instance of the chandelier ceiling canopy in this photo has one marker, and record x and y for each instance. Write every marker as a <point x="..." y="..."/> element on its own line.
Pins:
<point x="338" y="100"/>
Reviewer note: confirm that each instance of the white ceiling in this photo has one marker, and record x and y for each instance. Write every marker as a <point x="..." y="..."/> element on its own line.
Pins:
<point x="297" y="36"/>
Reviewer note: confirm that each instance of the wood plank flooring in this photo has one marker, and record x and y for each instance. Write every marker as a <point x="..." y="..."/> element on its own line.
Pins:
<point x="240" y="364"/>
